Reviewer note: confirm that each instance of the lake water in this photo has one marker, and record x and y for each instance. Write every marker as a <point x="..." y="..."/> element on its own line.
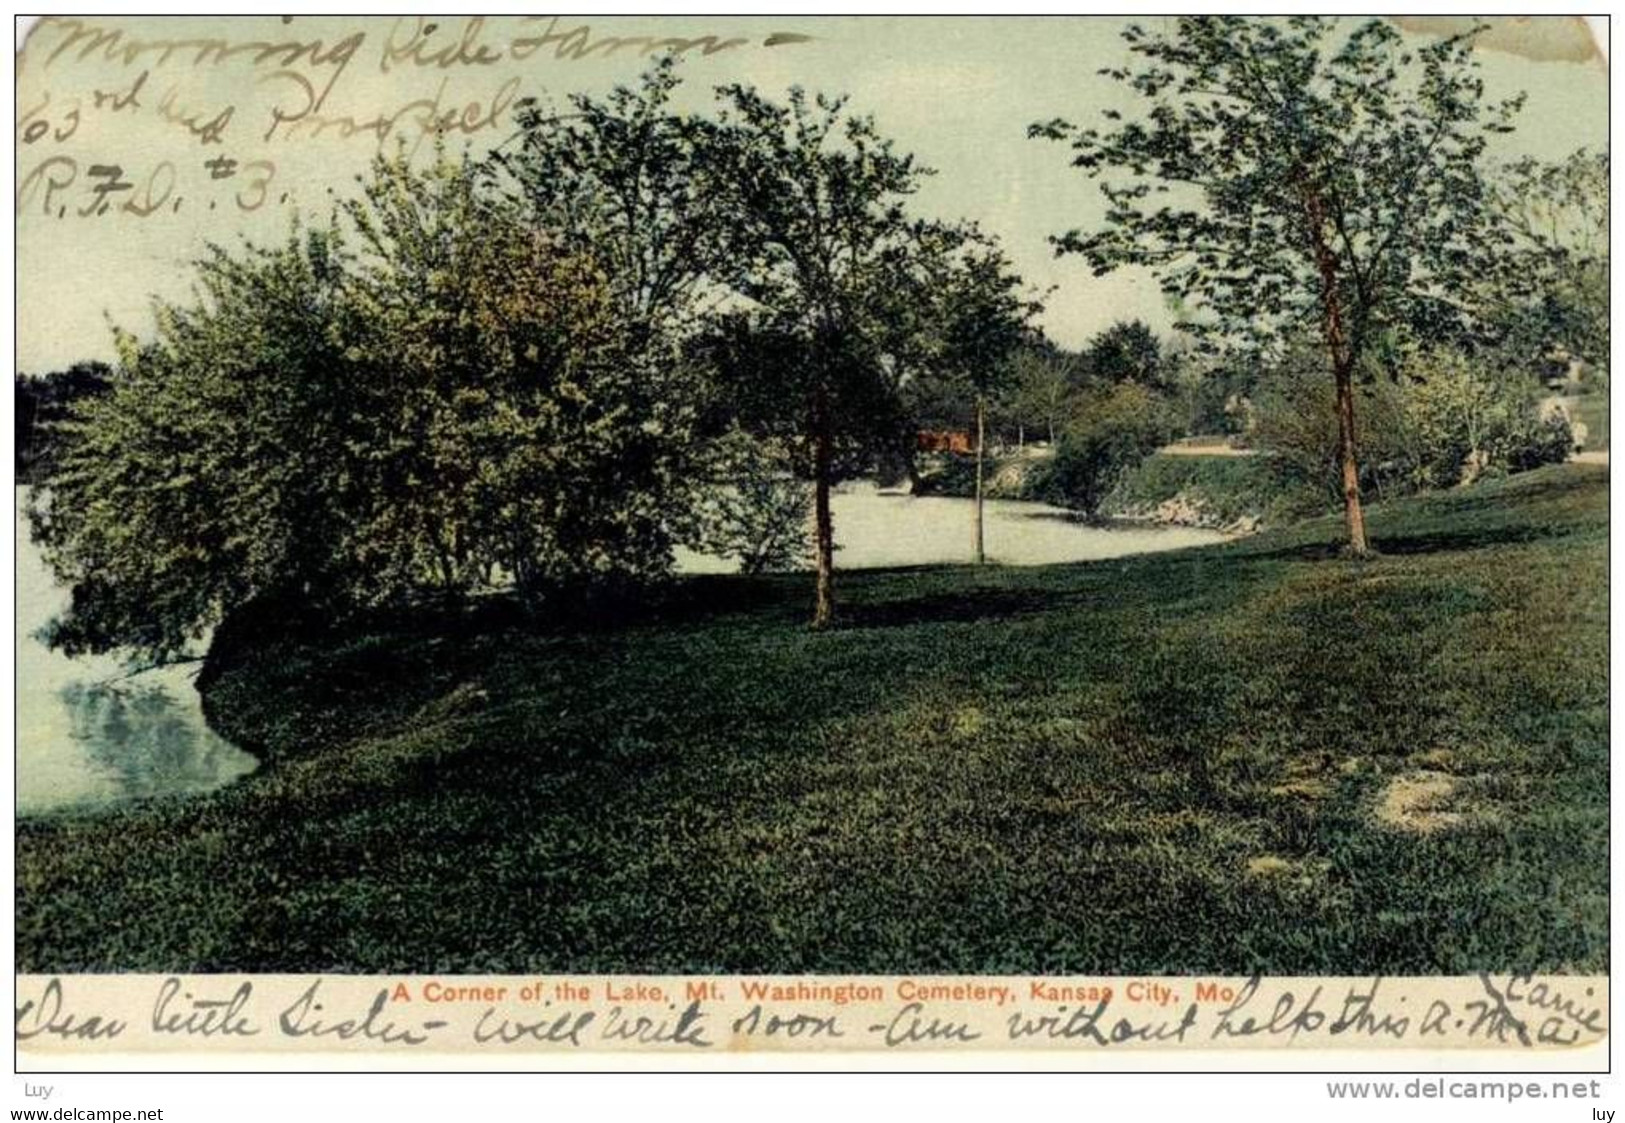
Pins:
<point x="91" y="735"/>
<point x="875" y="527"/>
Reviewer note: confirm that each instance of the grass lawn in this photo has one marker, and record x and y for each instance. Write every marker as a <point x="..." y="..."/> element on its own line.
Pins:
<point x="1253" y="757"/>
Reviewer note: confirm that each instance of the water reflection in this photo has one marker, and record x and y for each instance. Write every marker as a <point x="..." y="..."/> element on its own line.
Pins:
<point x="89" y="733"/>
<point x="143" y="742"/>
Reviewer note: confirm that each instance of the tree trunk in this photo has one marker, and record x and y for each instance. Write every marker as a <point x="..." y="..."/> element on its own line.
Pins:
<point x="823" y="525"/>
<point x="908" y="445"/>
<point x="981" y="554"/>
<point x="1342" y="356"/>
<point x="1353" y="513"/>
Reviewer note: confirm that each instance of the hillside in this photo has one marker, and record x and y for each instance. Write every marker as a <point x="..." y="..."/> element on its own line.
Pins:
<point x="1394" y="766"/>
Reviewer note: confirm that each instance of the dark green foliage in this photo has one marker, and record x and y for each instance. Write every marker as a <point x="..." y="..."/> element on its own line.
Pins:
<point x="1126" y="352"/>
<point x="952" y="474"/>
<point x="826" y="257"/>
<point x="212" y="470"/>
<point x="1293" y="421"/>
<point x="974" y="341"/>
<point x="506" y="374"/>
<point x="860" y="312"/>
<point x="1224" y="489"/>
<point x="756" y="509"/>
<point x="761" y="381"/>
<point x="1112" y="431"/>
<point x="1535" y="441"/>
<point x="1066" y="770"/>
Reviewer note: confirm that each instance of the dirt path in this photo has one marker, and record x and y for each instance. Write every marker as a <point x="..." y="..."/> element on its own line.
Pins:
<point x="1205" y="450"/>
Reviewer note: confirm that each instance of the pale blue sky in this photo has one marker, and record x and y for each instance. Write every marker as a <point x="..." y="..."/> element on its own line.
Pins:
<point x="958" y="92"/>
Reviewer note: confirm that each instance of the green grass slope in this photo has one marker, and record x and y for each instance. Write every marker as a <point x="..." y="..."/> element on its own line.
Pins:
<point x="1255" y="757"/>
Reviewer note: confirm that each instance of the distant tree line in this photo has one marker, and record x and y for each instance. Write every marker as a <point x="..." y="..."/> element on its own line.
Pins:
<point x="1095" y="412"/>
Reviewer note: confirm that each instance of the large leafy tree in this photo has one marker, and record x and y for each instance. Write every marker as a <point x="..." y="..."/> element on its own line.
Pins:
<point x="521" y="431"/>
<point x="208" y="474"/>
<point x="1298" y="172"/>
<point x="626" y="178"/>
<point x="821" y="247"/>
<point x="441" y="397"/>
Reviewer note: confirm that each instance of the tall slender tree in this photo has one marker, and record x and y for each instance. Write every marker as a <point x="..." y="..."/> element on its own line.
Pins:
<point x="981" y="317"/>
<point x="1295" y="171"/>
<point x="821" y="245"/>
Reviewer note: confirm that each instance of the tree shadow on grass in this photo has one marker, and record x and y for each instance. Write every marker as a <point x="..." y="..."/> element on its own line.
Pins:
<point x="953" y="607"/>
<point x="1407" y="545"/>
<point x="1473" y="538"/>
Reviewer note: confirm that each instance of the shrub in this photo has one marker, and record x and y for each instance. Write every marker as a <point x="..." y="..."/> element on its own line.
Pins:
<point x="1112" y="430"/>
<point x="756" y="510"/>
<point x="1462" y="422"/>
<point x="1444" y="422"/>
<point x="949" y="473"/>
<point x="1534" y="441"/>
<point x="446" y="400"/>
<point x="1295" y="423"/>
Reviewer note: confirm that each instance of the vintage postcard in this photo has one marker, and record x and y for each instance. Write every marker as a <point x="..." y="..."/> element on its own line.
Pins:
<point x="593" y="541"/>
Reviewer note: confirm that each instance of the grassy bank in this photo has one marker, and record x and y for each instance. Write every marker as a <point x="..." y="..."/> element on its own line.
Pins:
<point x="1252" y="757"/>
<point x="1219" y="491"/>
